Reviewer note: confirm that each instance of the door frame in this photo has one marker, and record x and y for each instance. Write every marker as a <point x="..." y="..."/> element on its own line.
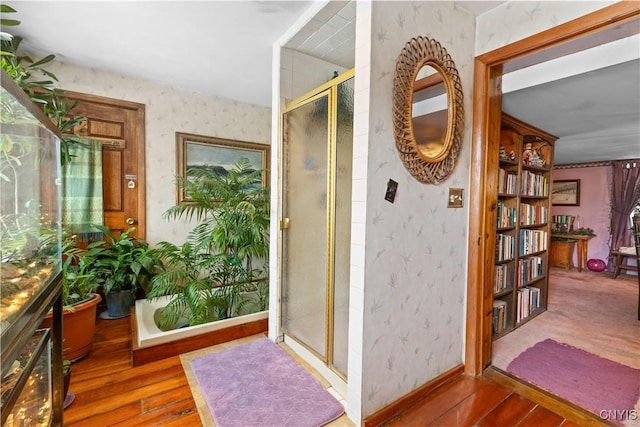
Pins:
<point x="139" y="110"/>
<point x="487" y="95"/>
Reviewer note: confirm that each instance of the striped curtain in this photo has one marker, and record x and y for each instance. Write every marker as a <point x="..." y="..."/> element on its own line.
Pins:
<point x="82" y="203"/>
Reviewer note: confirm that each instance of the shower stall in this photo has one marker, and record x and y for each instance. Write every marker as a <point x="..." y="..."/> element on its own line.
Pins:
<point x="316" y="226"/>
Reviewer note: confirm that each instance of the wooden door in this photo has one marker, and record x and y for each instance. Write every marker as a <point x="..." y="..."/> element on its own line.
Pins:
<point x="120" y="126"/>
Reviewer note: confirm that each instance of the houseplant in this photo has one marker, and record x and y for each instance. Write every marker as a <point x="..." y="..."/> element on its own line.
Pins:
<point x="120" y="265"/>
<point x="39" y="84"/>
<point x="225" y="255"/>
<point x="79" y="300"/>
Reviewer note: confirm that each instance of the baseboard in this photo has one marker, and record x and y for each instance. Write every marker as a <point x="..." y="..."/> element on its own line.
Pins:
<point x="555" y="404"/>
<point x="409" y="400"/>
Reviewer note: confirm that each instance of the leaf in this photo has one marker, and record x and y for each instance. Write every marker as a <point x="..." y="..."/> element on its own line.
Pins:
<point x="5" y="8"/>
<point x="44" y="60"/>
<point x="10" y="22"/>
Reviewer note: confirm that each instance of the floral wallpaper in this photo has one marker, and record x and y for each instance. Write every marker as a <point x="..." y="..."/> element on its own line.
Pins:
<point x="515" y="20"/>
<point x="169" y="110"/>
<point x="415" y="250"/>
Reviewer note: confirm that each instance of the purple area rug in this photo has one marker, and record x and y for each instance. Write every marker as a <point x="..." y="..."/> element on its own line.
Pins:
<point x="258" y="384"/>
<point x="589" y="381"/>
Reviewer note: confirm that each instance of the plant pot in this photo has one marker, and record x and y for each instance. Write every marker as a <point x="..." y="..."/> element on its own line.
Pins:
<point x="78" y="328"/>
<point x="118" y="304"/>
<point x="66" y="380"/>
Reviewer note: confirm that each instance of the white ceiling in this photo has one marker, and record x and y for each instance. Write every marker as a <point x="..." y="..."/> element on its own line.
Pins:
<point x="224" y="48"/>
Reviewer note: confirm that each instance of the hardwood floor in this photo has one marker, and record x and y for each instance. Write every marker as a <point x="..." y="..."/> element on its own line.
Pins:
<point x="108" y="391"/>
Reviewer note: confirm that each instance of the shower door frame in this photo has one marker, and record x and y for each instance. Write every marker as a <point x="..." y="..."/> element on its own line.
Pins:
<point x="329" y="89"/>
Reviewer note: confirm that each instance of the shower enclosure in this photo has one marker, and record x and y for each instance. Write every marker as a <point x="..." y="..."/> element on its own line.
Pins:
<point x="317" y="159"/>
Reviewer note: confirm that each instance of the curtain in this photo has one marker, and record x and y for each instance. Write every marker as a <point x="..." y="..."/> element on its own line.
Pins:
<point x="82" y="205"/>
<point x="625" y="195"/>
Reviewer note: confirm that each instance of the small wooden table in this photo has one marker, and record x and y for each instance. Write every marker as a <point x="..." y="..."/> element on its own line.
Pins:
<point x="583" y="246"/>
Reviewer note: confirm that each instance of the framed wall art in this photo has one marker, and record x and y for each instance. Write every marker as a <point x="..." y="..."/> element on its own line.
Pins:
<point x="198" y="151"/>
<point x="566" y="192"/>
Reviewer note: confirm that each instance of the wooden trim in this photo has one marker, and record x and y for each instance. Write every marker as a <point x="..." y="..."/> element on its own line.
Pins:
<point x="583" y="165"/>
<point x="139" y="111"/>
<point x="555" y="404"/>
<point x="140" y="356"/>
<point x="141" y="226"/>
<point x="409" y="400"/>
<point x="16" y="91"/>
<point x="606" y="18"/>
<point x="488" y="69"/>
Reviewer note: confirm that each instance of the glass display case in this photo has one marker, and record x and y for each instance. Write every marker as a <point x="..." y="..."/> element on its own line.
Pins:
<point x="30" y="251"/>
<point x="32" y="397"/>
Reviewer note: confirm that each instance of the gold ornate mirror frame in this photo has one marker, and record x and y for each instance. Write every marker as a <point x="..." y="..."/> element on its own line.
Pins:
<point x="425" y="167"/>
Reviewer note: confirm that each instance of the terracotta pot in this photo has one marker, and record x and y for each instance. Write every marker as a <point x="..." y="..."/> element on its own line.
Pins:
<point x="78" y="328"/>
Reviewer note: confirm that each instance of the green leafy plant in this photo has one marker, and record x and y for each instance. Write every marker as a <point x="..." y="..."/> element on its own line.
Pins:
<point x="582" y="231"/>
<point x="225" y="255"/>
<point x="120" y="263"/>
<point x="78" y="281"/>
<point x="39" y="83"/>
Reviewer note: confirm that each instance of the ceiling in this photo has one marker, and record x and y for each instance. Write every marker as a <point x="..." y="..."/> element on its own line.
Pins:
<point x="224" y="48"/>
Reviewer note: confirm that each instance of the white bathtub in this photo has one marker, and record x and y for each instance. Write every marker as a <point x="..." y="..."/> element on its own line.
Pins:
<point x="149" y="334"/>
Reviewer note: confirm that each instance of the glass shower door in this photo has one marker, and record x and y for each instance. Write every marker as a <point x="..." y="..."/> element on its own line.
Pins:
<point x="318" y="153"/>
<point x="305" y="248"/>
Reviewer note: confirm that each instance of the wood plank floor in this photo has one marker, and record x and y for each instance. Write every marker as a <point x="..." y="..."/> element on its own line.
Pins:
<point x="109" y="392"/>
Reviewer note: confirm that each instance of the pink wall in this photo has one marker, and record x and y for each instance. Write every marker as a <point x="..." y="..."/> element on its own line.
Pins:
<point x="595" y="206"/>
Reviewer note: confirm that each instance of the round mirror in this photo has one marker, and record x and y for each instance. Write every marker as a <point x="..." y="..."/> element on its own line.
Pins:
<point x="428" y="114"/>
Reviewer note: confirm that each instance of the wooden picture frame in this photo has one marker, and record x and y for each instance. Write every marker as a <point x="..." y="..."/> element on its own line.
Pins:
<point x="565" y="192"/>
<point x="199" y="150"/>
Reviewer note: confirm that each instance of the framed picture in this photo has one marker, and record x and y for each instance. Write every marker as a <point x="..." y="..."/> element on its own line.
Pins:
<point x="197" y="151"/>
<point x="566" y="192"/>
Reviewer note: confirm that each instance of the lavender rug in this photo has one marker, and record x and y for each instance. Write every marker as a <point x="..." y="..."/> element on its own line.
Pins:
<point x="258" y="384"/>
<point x="585" y="379"/>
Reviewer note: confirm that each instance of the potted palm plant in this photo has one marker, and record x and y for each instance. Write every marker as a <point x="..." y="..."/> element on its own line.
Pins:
<point x="226" y="254"/>
<point x="121" y="265"/>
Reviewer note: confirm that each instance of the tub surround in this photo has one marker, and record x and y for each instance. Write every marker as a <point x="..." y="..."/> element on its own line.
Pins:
<point x="150" y="343"/>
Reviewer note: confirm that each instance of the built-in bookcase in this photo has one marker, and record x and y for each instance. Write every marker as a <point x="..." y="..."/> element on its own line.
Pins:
<point x="523" y="232"/>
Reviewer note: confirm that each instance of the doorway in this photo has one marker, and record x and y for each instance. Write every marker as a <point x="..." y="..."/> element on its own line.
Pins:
<point x="317" y="155"/>
<point x="120" y="126"/>
<point x="608" y="24"/>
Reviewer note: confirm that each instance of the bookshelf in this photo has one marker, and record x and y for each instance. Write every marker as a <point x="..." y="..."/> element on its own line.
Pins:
<point x="523" y="225"/>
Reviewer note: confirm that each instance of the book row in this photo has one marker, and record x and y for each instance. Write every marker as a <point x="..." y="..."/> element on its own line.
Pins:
<point x="501" y="279"/>
<point x="505" y="247"/>
<point x="506" y="216"/>
<point x="499" y="316"/>
<point x="532" y="241"/>
<point x="528" y="302"/>
<point x="507" y="182"/>
<point x="534" y="184"/>
<point x="533" y="215"/>
<point x="529" y="269"/>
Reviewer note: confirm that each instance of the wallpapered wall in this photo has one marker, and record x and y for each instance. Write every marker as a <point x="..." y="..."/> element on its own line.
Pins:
<point x="515" y="20"/>
<point x="169" y="110"/>
<point x="595" y="206"/>
<point x="409" y="258"/>
<point x="416" y="248"/>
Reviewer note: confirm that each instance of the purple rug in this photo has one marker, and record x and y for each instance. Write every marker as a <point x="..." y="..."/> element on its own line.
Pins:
<point x="258" y="384"/>
<point x="582" y="378"/>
